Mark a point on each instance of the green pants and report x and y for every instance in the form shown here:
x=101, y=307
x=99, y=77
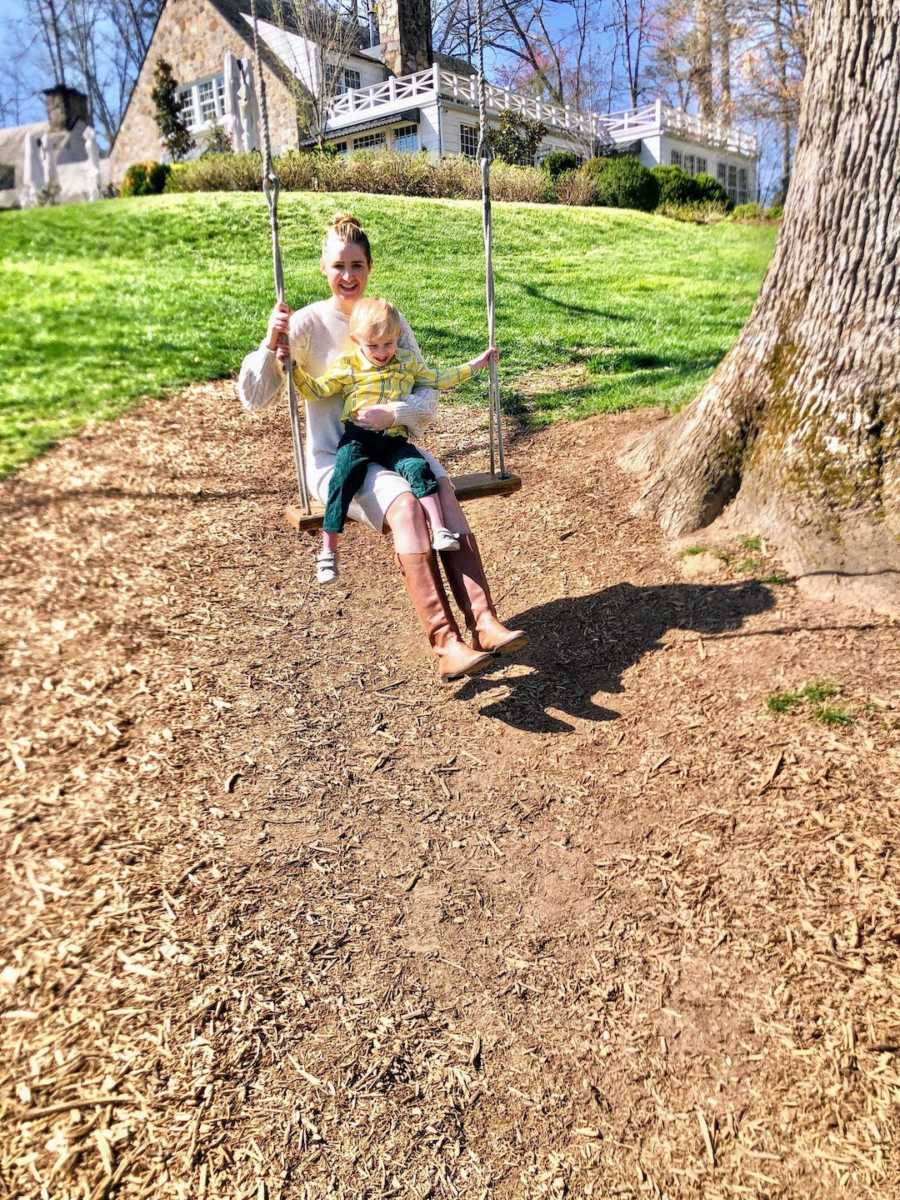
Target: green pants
x=357, y=450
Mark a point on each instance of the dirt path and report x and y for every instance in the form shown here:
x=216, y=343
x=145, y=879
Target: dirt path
x=598, y=924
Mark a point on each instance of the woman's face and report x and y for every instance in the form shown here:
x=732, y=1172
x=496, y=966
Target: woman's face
x=346, y=268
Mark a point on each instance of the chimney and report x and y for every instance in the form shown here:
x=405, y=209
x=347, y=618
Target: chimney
x=65, y=107
x=405, y=30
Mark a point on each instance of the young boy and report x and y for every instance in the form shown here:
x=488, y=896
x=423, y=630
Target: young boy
x=378, y=373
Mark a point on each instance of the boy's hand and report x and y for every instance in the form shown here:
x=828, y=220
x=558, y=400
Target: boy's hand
x=492, y=354
x=277, y=332
x=377, y=416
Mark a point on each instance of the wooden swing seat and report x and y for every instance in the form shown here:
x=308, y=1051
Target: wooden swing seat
x=467, y=487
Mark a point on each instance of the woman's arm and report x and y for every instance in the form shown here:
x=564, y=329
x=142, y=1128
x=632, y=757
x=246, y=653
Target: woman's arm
x=261, y=375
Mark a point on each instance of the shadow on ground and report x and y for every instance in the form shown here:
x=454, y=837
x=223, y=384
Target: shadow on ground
x=583, y=645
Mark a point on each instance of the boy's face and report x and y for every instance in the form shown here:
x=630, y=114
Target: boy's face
x=378, y=349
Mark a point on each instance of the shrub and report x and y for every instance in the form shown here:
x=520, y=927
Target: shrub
x=701, y=212
x=219, y=173
x=388, y=172
x=145, y=179
x=675, y=185
x=624, y=183
x=594, y=167
x=525, y=184
x=217, y=140
x=456, y=178
x=558, y=161
x=747, y=212
x=709, y=189
x=775, y=212
x=296, y=169
x=576, y=187
x=517, y=138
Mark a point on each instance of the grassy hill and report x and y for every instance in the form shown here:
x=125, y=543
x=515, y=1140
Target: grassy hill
x=109, y=302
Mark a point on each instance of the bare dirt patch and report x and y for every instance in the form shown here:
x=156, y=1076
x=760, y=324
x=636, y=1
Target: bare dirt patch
x=285, y=919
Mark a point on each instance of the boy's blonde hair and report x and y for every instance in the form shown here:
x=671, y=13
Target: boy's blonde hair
x=375, y=318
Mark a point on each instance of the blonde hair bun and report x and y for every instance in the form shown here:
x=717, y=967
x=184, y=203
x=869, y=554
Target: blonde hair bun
x=347, y=228
x=344, y=218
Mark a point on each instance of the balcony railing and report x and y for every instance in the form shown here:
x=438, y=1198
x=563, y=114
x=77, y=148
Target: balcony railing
x=650, y=119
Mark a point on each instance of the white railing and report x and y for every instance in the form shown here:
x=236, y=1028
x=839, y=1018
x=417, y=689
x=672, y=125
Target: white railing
x=711, y=133
x=397, y=89
x=625, y=126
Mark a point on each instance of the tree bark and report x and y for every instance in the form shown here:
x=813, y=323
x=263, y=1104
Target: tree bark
x=703, y=66
x=723, y=35
x=798, y=431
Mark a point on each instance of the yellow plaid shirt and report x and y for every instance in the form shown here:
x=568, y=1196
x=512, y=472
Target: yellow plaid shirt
x=362, y=385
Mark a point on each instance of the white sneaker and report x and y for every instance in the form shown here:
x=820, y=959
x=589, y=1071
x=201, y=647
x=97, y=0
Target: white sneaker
x=443, y=539
x=326, y=566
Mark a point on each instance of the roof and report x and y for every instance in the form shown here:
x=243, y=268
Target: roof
x=411, y=116
x=237, y=15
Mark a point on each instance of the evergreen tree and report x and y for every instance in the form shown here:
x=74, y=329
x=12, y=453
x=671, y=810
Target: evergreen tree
x=172, y=126
x=517, y=139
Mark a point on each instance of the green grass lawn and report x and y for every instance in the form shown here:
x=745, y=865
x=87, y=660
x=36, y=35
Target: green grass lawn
x=108, y=302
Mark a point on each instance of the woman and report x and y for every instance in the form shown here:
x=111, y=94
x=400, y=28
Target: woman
x=318, y=336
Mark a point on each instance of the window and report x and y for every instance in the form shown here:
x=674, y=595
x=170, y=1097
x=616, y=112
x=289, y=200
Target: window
x=743, y=192
x=722, y=173
x=186, y=106
x=206, y=93
x=675, y=158
x=340, y=147
x=689, y=163
x=339, y=80
x=368, y=141
x=701, y=165
x=468, y=140
x=204, y=102
x=406, y=138
x=7, y=176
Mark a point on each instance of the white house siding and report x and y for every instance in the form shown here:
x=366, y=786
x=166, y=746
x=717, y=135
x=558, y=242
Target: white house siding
x=665, y=145
x=370, y=72
x=300, y=56
x=429, y=130
x=454, y=117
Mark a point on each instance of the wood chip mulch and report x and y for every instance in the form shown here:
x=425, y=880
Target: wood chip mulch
x=282, y=918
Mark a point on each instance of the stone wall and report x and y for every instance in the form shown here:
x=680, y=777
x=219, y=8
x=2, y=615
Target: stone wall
x=193, y=37
x=404, y=27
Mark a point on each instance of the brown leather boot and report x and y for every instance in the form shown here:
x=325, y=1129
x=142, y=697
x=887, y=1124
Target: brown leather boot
x=426, y=591
x=471, y=592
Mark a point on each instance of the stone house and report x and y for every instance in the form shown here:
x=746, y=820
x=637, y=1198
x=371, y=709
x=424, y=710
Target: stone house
x=387, y=89
x=52, y=161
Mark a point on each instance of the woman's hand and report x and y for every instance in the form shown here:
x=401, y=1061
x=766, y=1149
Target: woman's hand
x=277, y=334
x=378, y=417
x=492, y=354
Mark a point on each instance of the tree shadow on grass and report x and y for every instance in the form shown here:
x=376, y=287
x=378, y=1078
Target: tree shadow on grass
x=583, y=645
x=533, y=292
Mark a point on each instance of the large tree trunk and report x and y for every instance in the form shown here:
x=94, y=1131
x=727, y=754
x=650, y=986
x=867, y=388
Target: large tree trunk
x=798, y=431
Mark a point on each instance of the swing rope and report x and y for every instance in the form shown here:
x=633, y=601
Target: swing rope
x=495, y=432
x=271, y=186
